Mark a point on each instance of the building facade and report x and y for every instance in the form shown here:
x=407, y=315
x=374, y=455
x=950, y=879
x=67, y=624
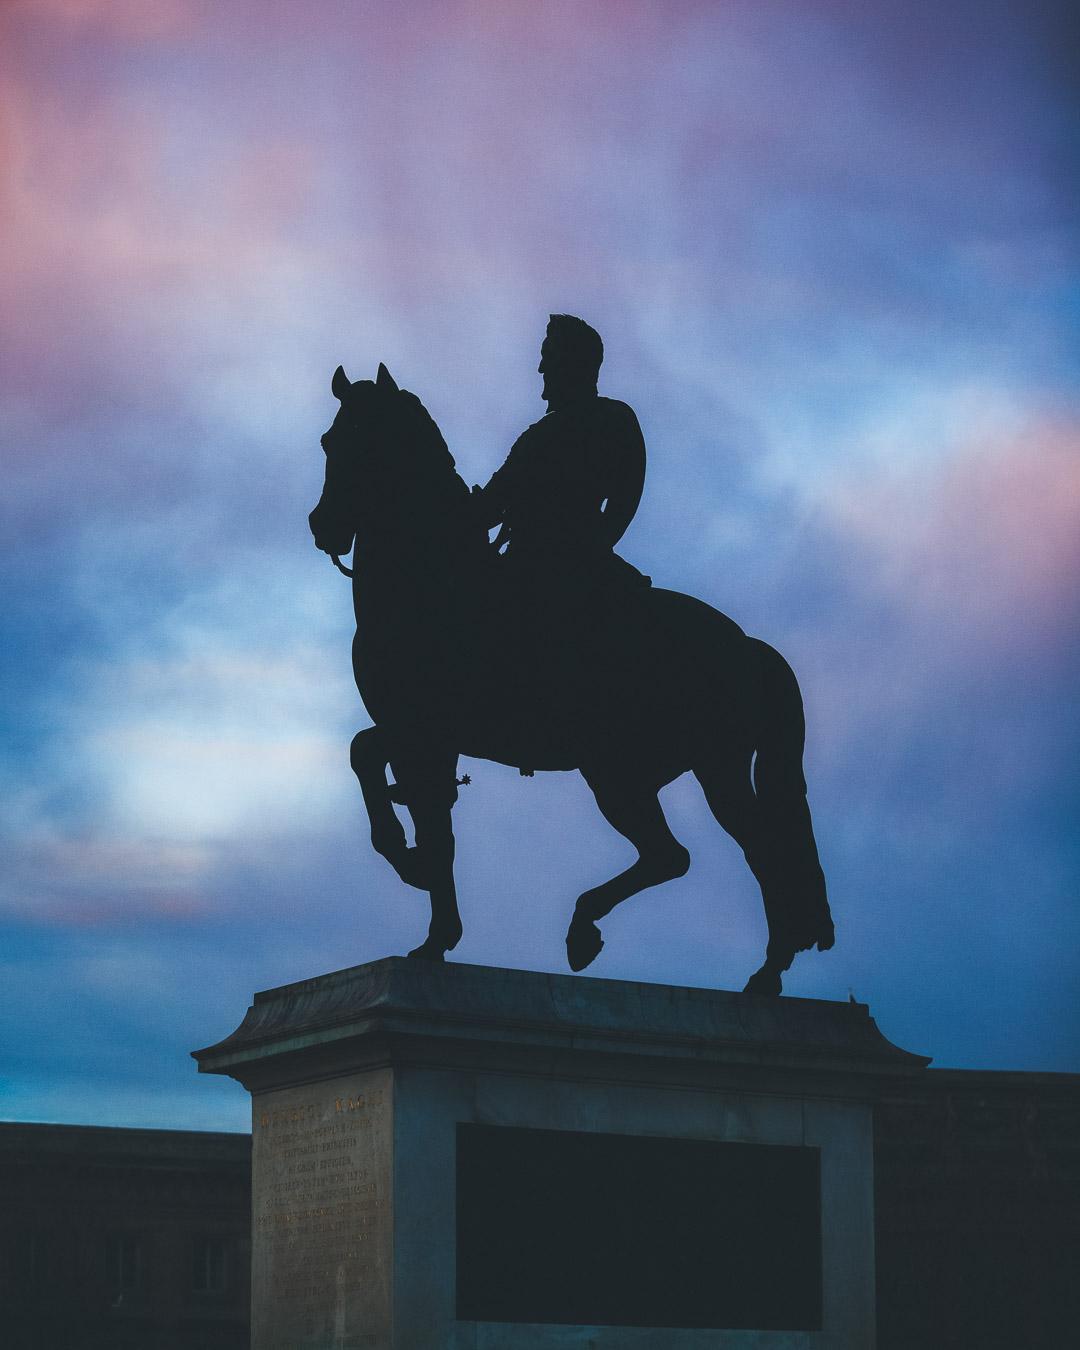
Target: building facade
x=117, y=1239
x=977, y=1200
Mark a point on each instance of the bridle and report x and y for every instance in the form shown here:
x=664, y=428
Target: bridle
x=345, y=571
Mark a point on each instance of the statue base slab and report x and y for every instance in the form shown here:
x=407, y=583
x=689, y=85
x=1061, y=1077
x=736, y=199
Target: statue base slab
x=455, y=1157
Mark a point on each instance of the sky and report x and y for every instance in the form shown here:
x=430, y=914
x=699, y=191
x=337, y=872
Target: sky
x=832, y=251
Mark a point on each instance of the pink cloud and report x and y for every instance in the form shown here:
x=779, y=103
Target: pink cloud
x=984, y=541
x=961, y=581
x=134, y=20
x=139, y=263
x=133, y=907
x=60, y=878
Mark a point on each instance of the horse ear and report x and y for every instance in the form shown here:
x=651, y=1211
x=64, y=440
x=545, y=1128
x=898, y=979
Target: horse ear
x=385, y=381
x=339, y=385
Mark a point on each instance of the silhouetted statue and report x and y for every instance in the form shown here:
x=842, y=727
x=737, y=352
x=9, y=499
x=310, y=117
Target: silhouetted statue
x=562, y=500
x=554, y=654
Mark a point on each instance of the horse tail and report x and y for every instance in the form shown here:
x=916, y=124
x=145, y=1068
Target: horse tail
x=797, y=902
x=779, y=726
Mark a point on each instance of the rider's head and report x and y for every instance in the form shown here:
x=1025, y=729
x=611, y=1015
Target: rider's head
x=569, y=359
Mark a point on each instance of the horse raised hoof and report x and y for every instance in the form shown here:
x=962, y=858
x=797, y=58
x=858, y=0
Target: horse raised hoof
x=429, y=950
x=410, y=865
x=765, y=983
x=583, y=943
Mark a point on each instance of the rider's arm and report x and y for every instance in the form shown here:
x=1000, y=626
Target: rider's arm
x=488, y=502
x=627, y=468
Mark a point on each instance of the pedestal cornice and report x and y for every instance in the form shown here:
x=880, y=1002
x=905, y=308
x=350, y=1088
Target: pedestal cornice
x=399, y=1010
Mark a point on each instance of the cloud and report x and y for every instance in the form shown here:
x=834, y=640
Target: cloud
x=201, y=747
x=132, y=20
x=981, y=542
x=185, y=742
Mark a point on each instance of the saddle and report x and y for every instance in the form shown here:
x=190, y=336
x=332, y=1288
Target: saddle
x=558, y=643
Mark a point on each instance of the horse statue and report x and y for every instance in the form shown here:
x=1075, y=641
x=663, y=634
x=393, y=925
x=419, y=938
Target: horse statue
x=676, y=686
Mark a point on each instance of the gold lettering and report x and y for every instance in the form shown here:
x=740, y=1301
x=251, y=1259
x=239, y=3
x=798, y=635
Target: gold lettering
x=287, y=1115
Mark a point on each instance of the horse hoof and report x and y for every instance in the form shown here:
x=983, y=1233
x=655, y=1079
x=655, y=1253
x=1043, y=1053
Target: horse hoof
x=410, y=867
x=429, y=951
x=765, y=983
x=583, y=943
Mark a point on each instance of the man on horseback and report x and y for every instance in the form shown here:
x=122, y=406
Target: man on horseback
x=572, y=481
x=562, y=500
x=591, y=670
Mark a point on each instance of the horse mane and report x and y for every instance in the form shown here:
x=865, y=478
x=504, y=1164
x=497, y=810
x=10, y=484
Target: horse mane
x=431, y=499
x=421, y=437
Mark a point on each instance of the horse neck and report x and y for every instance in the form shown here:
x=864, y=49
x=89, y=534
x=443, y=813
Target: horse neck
x=420, y=558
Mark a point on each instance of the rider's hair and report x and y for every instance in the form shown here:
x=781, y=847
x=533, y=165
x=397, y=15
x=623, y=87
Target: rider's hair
x=581, y=344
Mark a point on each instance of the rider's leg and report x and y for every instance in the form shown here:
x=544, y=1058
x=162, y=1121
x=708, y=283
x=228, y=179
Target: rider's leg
x=633, y=810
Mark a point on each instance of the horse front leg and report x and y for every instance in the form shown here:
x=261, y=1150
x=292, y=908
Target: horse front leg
x=435, y=843
x=369, y=758
x=427, y=785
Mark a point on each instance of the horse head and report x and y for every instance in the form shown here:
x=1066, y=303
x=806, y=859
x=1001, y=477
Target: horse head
x=357, y=447
x=389, y=475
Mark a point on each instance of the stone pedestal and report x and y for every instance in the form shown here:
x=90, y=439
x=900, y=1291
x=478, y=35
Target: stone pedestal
x=454, y=1157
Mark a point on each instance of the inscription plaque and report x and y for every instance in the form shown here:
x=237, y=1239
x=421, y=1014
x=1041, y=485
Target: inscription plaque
x=321, y=1235
x=602, y=1229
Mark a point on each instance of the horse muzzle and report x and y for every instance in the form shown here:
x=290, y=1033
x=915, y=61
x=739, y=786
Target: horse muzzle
x=330, y=536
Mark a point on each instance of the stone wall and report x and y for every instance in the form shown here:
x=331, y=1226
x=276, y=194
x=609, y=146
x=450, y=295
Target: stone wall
x=978, y=1211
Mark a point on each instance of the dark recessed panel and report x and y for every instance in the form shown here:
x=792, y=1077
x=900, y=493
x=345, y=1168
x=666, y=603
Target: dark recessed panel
x=602, y=1229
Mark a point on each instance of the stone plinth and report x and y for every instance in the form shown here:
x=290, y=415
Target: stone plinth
x=454, y=1157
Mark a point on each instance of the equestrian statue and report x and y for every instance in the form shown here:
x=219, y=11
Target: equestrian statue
x=546, y=650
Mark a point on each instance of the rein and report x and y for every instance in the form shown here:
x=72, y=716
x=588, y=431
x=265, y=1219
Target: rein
x=345, y=571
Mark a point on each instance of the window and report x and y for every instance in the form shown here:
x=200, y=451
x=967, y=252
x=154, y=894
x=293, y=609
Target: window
x=209, y=1266
x=42, y=1259
x=126, y=1262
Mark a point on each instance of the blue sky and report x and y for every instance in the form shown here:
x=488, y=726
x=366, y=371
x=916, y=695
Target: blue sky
x=832, y=254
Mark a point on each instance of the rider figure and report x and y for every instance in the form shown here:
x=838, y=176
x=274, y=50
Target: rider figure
x=572, y=481
x=563, y=499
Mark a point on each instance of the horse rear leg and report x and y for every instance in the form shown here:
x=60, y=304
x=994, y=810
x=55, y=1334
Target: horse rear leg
x=733, y=801
x=633, y=810
x=783, y=856
x=770, y=820
x=790, y=860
